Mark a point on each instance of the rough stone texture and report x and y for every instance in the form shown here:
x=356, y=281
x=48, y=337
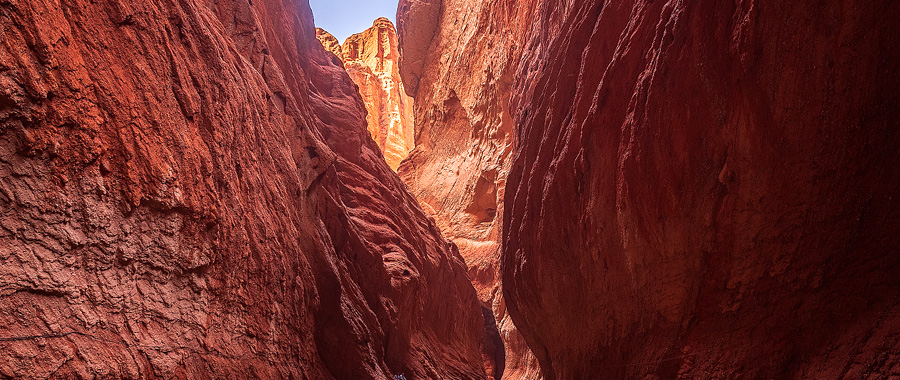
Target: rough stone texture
x=706, y=189
x=187, y=190
x=460, y=79
x=371, y=58
x=330, y=42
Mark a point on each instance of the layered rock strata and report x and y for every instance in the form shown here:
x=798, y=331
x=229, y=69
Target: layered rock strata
x=706, y=190
x=188, y=190
x=372, y=60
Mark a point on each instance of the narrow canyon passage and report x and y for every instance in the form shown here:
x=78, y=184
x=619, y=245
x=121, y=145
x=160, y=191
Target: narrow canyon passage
x=372, y=59
x=449, y=189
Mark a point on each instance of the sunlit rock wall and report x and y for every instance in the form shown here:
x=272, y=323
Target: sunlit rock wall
x=371, y=58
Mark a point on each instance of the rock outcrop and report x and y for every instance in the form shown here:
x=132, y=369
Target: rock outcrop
x=330, y=43
x=460, y=72
x=706, y=190
x=188, y=190
x=371, y=58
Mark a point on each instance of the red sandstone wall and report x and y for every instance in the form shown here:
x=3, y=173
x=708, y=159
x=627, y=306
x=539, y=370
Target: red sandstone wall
x=187, y=190
x=706, y=189
x=458, y=60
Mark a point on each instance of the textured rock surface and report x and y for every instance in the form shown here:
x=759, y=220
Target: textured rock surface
x=187, y=190
x=460, y=71
x=330, y=42
x=371, y=58
x=706, y=190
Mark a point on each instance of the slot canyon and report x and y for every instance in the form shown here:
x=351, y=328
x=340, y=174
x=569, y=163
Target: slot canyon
x=485, y=189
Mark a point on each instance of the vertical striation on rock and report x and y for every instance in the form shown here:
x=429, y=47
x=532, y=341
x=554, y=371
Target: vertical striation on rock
x=372, y=60
x=705, y=190
x=458, y=61
x=188, y=190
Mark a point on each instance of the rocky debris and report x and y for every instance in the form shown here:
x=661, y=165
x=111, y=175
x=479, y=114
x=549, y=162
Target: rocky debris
x=188, y=190
x=705, y=190
x=460, y=71
x=371, y=58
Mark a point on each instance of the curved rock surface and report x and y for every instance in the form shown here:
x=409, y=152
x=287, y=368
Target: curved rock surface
x=460, y=79
x=188, y=190
x=706, y=189
x=372, y=60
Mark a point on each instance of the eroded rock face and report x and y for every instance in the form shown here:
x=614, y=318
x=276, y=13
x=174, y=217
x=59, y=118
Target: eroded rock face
x=371, y=58
x=459, y=71
x=188, y=190
x=706, y=190
x=330, y=42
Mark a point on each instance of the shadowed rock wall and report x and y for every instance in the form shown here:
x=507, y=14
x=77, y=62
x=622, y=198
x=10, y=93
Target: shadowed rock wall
x=706, y=190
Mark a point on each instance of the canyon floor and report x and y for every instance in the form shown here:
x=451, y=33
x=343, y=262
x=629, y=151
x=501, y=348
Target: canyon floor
x=489, y=189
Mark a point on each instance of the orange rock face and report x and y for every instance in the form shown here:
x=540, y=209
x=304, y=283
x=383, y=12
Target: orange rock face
x=459, y=71
x=706, y=189
x=188, y=190
x=330, y=42
x=371, y=58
